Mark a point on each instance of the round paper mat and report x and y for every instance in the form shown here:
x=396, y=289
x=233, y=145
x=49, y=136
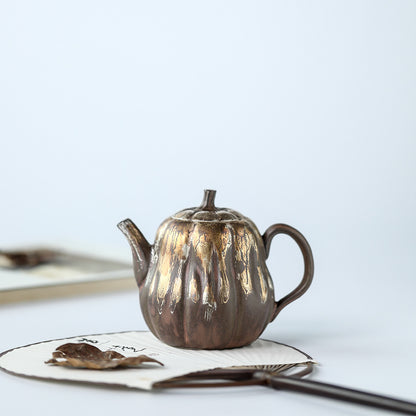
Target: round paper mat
x=30, y=360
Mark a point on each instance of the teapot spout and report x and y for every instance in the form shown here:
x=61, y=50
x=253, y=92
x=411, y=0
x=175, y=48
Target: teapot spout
x=140, y=248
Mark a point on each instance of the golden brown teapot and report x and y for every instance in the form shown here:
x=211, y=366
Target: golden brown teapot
x=204, y=283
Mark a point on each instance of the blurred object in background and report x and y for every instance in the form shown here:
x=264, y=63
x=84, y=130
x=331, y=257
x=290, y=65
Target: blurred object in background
x=33, y=273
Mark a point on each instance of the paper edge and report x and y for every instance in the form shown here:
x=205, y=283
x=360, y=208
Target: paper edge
x=309, y=359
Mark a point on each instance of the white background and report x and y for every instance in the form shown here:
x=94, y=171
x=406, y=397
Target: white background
x=300, y=112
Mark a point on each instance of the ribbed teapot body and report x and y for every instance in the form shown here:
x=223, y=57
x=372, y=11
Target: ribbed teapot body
x=207, y=285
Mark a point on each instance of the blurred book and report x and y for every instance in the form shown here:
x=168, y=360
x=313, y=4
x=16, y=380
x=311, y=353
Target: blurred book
x=43, y=272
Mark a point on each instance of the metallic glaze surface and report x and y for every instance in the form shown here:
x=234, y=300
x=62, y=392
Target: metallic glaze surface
x=207, y=283
x=204, y=283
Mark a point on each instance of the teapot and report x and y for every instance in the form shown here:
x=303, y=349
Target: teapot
x=204, y=283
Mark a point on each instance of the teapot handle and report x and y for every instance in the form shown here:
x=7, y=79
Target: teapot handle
x=307, y=258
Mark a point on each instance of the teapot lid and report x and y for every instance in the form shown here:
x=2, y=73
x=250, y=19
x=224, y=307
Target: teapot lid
x=207, y=211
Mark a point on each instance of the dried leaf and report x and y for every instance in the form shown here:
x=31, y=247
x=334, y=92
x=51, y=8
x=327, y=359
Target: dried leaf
x=84, y=355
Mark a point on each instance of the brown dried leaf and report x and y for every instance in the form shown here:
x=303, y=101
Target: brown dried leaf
x=84, y=355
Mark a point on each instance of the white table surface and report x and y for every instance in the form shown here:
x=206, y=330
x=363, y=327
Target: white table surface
x=355, y=345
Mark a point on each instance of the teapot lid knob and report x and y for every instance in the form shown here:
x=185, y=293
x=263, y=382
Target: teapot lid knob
x=208, y=201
